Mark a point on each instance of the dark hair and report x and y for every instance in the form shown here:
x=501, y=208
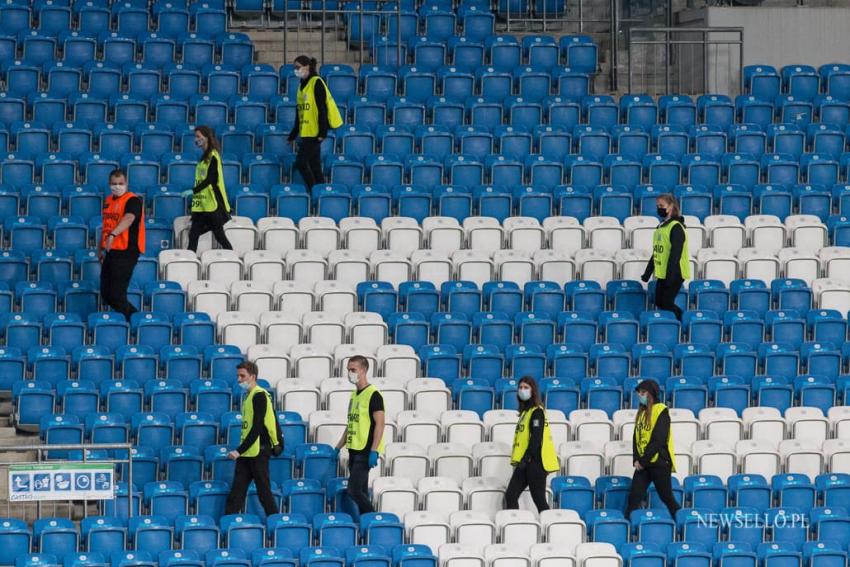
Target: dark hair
x=212, y=141
x=534, y=400
x=361, y=360
x=653, y=393
x=117, y=172
x=249, y=367
x=309, y=62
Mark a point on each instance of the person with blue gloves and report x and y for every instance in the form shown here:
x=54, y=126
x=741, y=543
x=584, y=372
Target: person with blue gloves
x=364, y=435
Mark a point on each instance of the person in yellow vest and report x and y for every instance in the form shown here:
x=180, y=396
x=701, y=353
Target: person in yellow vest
x=533, y=456
x=260, y=439
x=364, y=435
x=210, y=207
x=670, y=261
x=317, y=112
x=652, y=450
x=122, y=240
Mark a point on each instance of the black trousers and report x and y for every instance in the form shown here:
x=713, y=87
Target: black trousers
x=115, y=274
x=358, y=481
x=532, y=475
x=661, y=477
x=665, y=295
x=248, y=469
x=308, y=161
x=202, y=223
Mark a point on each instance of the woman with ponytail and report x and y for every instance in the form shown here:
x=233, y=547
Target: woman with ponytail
x=317, y=113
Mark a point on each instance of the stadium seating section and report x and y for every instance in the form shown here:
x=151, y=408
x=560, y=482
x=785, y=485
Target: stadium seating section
x=487, y=217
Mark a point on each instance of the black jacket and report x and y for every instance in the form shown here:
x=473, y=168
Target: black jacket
x=657, y=443
x=677, y=242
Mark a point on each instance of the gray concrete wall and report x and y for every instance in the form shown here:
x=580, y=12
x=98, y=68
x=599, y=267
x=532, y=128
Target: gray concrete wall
x=775, y=36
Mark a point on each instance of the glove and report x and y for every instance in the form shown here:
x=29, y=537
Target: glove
x=373, y=459
x=187, y=193
x=645, y=278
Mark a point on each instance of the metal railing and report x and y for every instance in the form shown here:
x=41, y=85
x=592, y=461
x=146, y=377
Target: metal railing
x=686, y=60
x=24, y=508
x=339, y=22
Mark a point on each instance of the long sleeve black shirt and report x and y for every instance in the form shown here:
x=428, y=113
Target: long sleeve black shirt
x=258, y=428
x=321, y=106
x=657, y=441
x=535, y=436
x=211, y=180
x=677, y=243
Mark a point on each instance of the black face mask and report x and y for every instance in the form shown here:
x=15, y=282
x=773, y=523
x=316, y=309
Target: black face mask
x=661, y=212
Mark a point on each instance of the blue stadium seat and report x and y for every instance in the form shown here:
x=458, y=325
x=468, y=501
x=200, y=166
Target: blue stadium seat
x=104, y=534
x=167, y=499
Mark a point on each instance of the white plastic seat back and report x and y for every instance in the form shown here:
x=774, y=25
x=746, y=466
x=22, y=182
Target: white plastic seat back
x=278, y=234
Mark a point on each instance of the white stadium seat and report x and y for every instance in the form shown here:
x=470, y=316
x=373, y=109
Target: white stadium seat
x=360, y=234
x=551, y=555
x=518, y=527
x=715, y=458
x=807, y=423
x=394, y=495
x=181, y=266
x=471, y=527
x=264, y=266
x=419, y=427
x=426, y=528
x=452, y=460
x=224, y=266
x=483, y=234
x=565, y=234
x=443, y=234
x=294, y=297
x=408, y=460
x=440, y=494
x=726, y=233
x=721, y=424
x=597, y=554
x=802, y=456
x=484, y=494
x=278, y=234
x=454, y=555
x=765, y=232
x=764, y=424
x=758, y=457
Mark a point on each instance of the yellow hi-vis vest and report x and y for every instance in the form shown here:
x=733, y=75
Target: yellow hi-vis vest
x=523, y=433
x=643, y=434
x=204, y=201
x=661, y=251
x=248, y=419
x=308, y=114
x=359, y=419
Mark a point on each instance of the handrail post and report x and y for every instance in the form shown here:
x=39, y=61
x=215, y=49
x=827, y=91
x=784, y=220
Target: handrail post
x=398, y=60
x=322, y=32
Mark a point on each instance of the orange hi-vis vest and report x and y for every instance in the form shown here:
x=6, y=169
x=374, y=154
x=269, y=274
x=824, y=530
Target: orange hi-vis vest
x=113, y=211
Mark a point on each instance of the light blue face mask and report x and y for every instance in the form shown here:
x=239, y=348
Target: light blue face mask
x=524, y=394
x=642, y=398
x=244, y=386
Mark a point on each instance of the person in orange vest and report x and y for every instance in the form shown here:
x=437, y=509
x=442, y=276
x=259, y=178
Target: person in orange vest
x=121, y=243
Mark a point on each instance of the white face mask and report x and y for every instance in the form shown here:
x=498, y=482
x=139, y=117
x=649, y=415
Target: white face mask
x=302, y=73
x=244, y=386
x=118, y=189
x=353, y=377
x=524, y=394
